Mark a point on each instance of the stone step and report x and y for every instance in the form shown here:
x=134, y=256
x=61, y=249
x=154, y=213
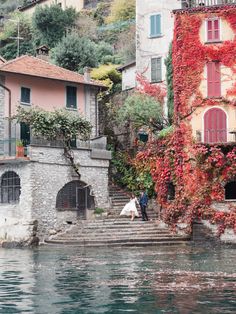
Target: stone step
x=118, y=235
x=124, y=244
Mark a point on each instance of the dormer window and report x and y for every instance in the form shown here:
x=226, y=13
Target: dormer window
x=213, y=30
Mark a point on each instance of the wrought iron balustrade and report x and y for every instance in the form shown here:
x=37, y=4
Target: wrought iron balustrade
x=216, y=136
x=207, y=3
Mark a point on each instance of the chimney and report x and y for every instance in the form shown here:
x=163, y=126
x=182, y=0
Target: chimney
x=87, y=72
x=42, y=52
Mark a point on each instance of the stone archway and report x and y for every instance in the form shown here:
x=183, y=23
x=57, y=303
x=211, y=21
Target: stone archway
x=75, y=196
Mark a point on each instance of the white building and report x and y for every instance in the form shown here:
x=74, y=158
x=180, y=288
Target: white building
x=155, y=25
x=128, y=72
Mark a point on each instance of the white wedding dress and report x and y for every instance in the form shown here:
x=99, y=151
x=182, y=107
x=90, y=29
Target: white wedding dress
x=130, y=207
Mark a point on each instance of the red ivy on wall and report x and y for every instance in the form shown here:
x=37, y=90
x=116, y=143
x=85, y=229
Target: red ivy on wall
x=198, y=171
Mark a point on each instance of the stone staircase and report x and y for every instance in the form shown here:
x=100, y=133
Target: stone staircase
x=115, y=230
x=119, y=198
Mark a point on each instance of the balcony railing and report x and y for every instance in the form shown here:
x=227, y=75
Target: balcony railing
x=7, y=145
x=207, y=3
x=216, y=136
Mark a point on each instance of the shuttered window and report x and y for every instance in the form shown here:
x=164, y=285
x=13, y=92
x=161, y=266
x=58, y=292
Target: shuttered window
x=215, y=126
x=213, y=30
x=213, y=80
x=156, y=70
x=25, y=95
x=71, y=97
x=155, y=25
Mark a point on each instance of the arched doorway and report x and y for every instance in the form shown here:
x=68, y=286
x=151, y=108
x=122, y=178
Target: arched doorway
x=230, y=190
x=215, y=129
x=75, y=196
x=10, y=187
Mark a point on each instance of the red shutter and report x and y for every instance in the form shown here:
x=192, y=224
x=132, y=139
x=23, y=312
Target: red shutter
x=213, y=79
x=209, y=30
x=216, y=29
x=215, y=126
x=213, y=30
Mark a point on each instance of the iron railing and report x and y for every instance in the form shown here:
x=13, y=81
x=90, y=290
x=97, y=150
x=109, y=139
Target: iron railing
x=207, y=3
x=216, y=136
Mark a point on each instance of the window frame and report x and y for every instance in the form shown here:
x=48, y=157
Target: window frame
x=157, y=80
x=30, y=96
x=13, y=188
x=213, y=40
x=156, y=35
x=66, y=96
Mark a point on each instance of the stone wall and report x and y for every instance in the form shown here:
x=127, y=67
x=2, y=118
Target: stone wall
x=2, y=106
x=42, y=177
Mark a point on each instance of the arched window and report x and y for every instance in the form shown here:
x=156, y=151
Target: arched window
x=75, y=195
x=10, y=187
x=230, y=190
x=215, y=126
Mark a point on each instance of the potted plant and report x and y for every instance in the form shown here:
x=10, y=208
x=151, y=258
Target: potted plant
x=20, y=150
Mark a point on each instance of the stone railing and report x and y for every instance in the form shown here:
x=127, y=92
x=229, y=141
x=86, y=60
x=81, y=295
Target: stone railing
x=207, y=3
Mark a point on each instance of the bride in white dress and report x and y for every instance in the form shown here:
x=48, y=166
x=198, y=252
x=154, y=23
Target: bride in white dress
x=130, y=208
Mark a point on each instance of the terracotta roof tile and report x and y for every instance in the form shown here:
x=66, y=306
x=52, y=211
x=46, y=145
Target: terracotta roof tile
x=28, y=65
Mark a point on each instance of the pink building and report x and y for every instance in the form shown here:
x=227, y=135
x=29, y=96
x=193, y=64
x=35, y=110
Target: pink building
x=30, y=81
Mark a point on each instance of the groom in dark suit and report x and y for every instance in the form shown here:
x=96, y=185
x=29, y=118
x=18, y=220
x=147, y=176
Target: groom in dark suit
x=143, y=201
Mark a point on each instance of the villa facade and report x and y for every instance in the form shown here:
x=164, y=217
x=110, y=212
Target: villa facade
x=40, y=192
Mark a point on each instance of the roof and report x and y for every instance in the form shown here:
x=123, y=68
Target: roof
x=28, y=65
x=2, y=60
x=30, y=4
x=127, y=65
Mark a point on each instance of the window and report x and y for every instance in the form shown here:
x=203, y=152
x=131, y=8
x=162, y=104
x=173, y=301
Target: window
x=213, y=29
x=155, y=25
x=156, y=70
x=230, y=190
x=25, y=95
x=71, y=97
x=10, y=187
x=215, y=122
x=213, y=80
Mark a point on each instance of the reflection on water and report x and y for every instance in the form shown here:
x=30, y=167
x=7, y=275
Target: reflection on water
x=139, y=280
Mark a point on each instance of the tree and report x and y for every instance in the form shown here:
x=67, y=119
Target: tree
x=170, y=89
x=75, y=53
x=8, y=36
x=121, y=10
x=143, y=111
x=51, y=24
x=57, y=125
x=108, y=75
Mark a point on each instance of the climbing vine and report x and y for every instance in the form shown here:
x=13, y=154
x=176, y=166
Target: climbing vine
x=198, y=172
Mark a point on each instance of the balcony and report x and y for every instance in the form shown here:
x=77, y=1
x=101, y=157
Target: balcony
x=188, y=4
x=216, y=136
x=98, y=143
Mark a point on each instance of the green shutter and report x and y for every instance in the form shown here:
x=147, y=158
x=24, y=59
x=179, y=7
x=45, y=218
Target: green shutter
x=155, y=25
x=71, y=97
x=25, y=133
x=156, y=70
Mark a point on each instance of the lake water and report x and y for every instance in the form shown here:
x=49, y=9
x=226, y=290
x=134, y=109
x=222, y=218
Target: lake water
x=150, y=280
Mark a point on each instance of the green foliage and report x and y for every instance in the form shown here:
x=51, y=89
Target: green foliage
x=127, y=176
x=9, y=44
x=107, y=74
x=170, y=89
x=57, y=125
x=7, y=6
x=75, y=53
x=142, y=111
x=166, y=132
x=104, y=51
x=121, y=10
x=98, y=211
x=51, y=23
